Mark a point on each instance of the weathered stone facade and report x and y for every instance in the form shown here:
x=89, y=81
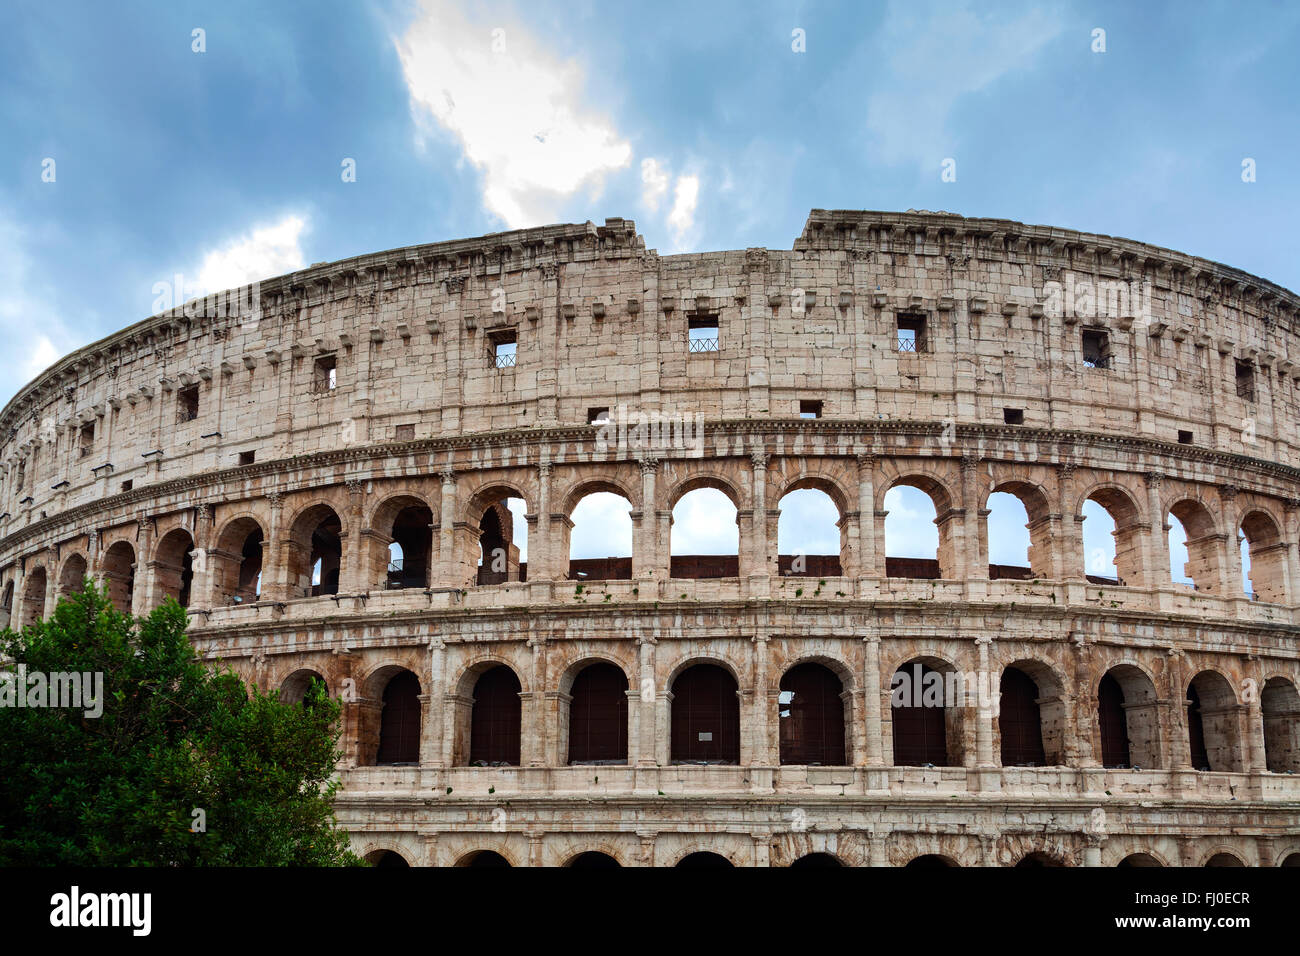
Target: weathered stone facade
x=360, y=404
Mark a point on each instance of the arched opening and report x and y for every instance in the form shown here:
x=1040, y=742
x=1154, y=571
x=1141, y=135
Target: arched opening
x=1036, y=860
x=918, y=533
x=294, y=688
x=600, y=541
x=810, y=715
x=1224, y=859
x=237, y=562
x=1128, y=719
x=399, y=721
x=704, y=536
x=174, y=566
x=810, y=535
x=484, y=858
x=926, y=702
x=1263, y=559
x=1138, y=860
x=387, y=858
x=73, y=576
x=598, y=715
x=1291, y=860
x=1194, y=547
x=315, y=553
x=1020, y=721
x=930, y=861
x=119, y=575
x=1112, y=539
x=407, y=525
x=503, y=539
x=1280, y=704
x=1212, y=723
x=594, y=860
x=705, y=716
x=817, y=861
x=705, y=859
x=34, y=585
x=495, y=721
x=1017, y=533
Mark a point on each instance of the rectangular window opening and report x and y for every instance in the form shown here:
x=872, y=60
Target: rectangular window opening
x=1013, y=416
x=247, y=457
x=505, y=348
x=1184, y=437
x=911, y=333
x=1245, y=380
x=596, y=416
x=1096, y=348
x=187, y=404
x=128, y=484
x=87, y=439
x=405, y=433
x=702, y=333
x=809, y=408
x=325, y=377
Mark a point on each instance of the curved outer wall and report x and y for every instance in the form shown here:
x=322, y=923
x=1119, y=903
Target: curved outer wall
x=150, y=458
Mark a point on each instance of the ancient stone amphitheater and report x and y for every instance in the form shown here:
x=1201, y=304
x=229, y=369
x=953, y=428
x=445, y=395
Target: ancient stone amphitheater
x=320, y=468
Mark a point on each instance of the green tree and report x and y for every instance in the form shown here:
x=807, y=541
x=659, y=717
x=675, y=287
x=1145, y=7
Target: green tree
x=175, y=736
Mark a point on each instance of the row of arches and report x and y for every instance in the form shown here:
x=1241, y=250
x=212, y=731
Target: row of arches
x=929, y=720
x=402, y=542
x=597, y=859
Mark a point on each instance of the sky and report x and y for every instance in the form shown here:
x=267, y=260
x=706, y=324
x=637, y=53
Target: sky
x=153, y=151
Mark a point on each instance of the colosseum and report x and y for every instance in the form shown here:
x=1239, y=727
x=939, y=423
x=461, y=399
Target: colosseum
x=366, y=472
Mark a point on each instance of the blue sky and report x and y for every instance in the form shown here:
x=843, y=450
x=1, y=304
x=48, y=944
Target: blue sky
x=699, y=121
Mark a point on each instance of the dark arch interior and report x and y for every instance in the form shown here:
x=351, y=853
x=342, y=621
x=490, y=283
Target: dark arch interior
x=1020, y=721
x=1196, y=731
x=705, y=859
x=705, y=716
x=919, y=719
x=930, y=861
x=327, y=548
x=1114, y=724
x=494, y=739
x=387, y=858
x=413, y=533
x=1138, y=860
x=598, y=716
x=817, y=861
x=487, y=858
x=810, y=715
x=399, y=724
x=1034, y=860
x=594, y=860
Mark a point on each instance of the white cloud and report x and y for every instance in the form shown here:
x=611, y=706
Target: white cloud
x=265, y=252
x=934, y=58
x=685, y=197
x=31, y=329
x=654, y=183
x=516, y=109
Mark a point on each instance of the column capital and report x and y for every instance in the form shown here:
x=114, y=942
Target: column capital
x=759, y=459
x=356, y=486
x=649, y=465
x=448, y=476
x=1153, y=479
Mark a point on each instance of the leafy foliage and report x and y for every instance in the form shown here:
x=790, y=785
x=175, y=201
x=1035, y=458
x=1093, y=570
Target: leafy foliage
x=175, y=736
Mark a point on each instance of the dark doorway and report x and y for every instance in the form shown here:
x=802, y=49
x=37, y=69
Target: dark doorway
x=1114, y=725
x=1196, y=731
x=594, y=860
x=705, y=859
x=705, y=716
x=387, y=858
x=817, y=861
x=495, y=724
x=1019, y=721
x=598, y=715
x=487, y=858
x=920, y=719
x=399, y=724
x=811, y=716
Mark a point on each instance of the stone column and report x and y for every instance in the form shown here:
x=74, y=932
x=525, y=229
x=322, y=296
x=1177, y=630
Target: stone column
x=1234, y=579
x=1177, y=748
x=765, y=734
x=871, y=723
x=1291, y=530
x=449, y=571
x=144, y=578
x=202, y=564
x=871, y=546
x=1157, y=557
x=355, y=576
x=984, y=716
x=534, y=745
x=432, y=707
x=756, y=550
x=542, y=558
x=275, y=554
x=647, y=698
x=1256, y=760
x=972, y=560
x=648, y=561
x=1070, y=559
